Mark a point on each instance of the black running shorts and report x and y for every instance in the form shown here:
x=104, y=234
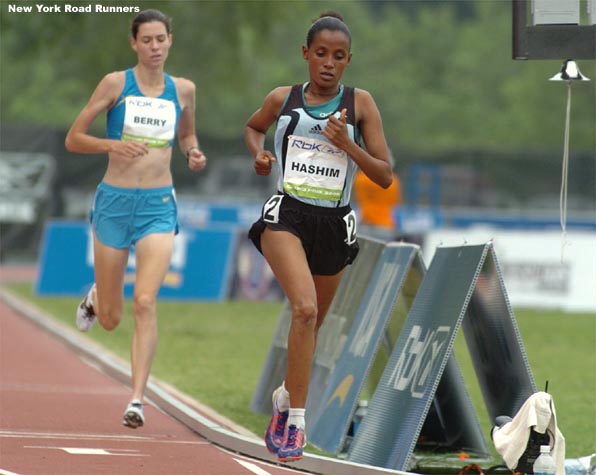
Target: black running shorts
x=328, y=235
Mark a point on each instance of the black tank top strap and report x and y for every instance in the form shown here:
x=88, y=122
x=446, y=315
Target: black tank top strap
x=348, y=102
x=294, y=99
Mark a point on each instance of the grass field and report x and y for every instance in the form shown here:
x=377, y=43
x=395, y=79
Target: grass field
x=215, y=351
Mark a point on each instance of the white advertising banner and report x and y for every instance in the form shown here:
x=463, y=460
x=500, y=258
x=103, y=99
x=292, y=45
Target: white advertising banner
x=535, y=271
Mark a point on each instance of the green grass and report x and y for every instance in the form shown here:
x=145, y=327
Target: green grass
x=215, y=351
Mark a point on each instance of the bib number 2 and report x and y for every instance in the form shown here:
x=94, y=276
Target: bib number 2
x=350, y=220
x=271, y=209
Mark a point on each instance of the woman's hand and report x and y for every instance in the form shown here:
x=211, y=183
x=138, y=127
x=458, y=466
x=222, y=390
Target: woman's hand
x=337, y=131
x=196, y=159
x=129, y=149
x=264, y=162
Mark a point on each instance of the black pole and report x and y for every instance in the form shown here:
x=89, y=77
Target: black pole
x=519, y=22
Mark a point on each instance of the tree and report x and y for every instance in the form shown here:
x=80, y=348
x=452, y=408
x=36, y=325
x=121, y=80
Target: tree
x=441, y=72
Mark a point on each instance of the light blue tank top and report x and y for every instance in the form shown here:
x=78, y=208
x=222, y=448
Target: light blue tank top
x=136, y=117
x=311, y=169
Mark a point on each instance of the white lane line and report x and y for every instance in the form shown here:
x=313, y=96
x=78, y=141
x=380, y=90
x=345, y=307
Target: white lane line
x=237, y=456
x=113, y=437
x=70, y=435
x=78, y=451
x=6, y=472
x=64, y=435
x=252, y=467
x=91, y=451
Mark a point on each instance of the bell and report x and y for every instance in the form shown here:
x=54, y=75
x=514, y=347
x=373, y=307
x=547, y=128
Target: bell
x=569, y=72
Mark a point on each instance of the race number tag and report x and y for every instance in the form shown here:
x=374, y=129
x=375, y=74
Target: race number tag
x=271, y=209
x=350, y=220
x=150, y=120
x=314, y=169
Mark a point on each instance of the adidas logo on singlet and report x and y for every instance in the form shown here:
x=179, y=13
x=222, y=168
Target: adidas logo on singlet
x=317, y=129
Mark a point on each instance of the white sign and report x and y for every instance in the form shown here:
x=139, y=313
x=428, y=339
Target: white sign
x=534, y=273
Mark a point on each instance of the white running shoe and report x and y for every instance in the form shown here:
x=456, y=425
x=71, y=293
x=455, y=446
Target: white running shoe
x=85, y=314
x=133, y=416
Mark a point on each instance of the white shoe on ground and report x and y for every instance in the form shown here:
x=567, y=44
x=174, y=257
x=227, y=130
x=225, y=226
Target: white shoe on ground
x=133, y=416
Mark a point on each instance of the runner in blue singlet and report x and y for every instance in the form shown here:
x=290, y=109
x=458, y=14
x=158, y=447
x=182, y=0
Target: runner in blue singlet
x=135, y=203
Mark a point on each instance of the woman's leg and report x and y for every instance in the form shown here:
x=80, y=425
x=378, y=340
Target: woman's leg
x=286, y=257
x=326, y=287
x=153, y=254
x=310, y=297
x=109, y=267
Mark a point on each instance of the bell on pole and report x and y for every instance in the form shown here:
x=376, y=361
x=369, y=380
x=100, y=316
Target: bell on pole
x=569, y=72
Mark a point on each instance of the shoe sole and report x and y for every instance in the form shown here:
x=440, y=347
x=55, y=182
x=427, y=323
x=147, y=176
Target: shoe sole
x=293, y=458
x=132, y=420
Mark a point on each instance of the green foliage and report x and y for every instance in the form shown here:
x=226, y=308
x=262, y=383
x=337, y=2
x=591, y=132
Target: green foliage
x=441, y=72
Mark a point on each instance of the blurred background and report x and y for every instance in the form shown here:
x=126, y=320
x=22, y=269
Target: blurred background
x=477, y=137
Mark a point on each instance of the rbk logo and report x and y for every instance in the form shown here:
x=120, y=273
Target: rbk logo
x=418, y=360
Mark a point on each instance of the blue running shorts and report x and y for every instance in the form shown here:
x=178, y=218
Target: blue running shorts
x=123, y=216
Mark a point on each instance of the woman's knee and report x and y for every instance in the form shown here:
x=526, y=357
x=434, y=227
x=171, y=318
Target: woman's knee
x=305, y=312
x=109, y=317
x=144, y=304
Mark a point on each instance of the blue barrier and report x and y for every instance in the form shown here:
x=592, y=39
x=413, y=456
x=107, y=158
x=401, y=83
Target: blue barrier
x=201, y=268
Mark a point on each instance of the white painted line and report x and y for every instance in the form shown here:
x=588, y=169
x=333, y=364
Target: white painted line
x=252, y=467
x=77, y=451
x=267, y=463
x=6, y=472
x=113, y=438
x=88, y=451
x=71, y=435
x=91, y=451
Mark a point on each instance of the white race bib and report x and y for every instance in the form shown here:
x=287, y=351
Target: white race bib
x=314, y=169
x=150, y=120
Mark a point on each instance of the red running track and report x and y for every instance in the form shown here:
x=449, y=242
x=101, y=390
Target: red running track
x=60, y=415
